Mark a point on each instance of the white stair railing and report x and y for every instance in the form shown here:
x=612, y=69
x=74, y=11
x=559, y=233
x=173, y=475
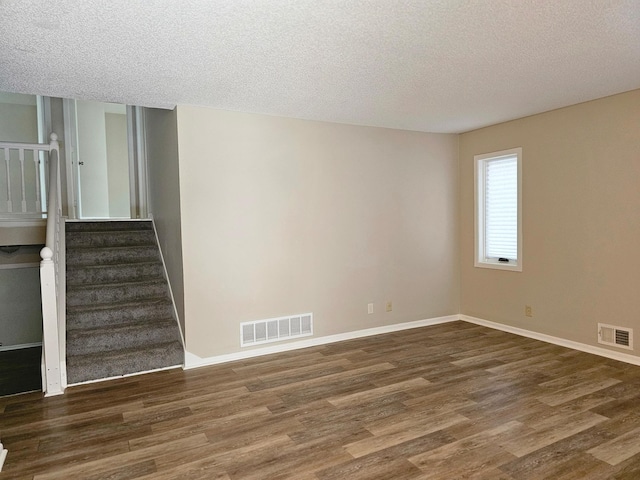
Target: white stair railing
x=52, y=283
x=21, y=193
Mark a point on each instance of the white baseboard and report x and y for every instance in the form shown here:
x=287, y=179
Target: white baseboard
x=583, y=347
x=6, y=348
x=194, y=361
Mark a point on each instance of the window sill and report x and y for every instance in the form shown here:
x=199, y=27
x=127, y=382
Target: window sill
x=514, y=267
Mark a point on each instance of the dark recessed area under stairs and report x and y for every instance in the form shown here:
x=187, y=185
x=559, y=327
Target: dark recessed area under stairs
x=120, y=318
x=20, y=371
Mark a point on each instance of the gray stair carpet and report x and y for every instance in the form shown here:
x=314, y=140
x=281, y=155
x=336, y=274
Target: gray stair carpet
x=120, y=318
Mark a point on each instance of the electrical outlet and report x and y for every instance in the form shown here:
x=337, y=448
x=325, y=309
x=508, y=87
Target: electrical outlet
x=528, y=311
x=389, y=306
x=370, y=308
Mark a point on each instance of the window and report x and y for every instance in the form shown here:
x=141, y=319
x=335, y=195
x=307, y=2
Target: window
x=498, y=196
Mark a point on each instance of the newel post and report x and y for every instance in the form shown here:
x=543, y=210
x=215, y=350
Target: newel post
x=50, y=343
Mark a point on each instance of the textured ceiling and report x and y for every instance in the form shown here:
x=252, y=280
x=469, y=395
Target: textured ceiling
x=437, y=65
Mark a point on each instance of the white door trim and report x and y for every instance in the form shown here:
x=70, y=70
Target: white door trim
x=137, y=162
x=71, y=157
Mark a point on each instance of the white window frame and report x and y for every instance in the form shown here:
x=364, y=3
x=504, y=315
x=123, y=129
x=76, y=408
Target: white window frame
x=481, y=259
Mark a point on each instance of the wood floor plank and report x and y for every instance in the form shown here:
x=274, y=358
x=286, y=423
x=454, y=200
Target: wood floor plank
x=507, y=354
x=201, y=469
x=98, y=467
x=549, y=434
x=169, y=430
x=16, y=424
x=207, y=419
x=573, y=376
x=400, y=432
x=579, y=466
x=126, y=472
x=556, y=458
x=528, y=362
x=627, y=470
x=572, y=392
x=442, y=402
x=280, y=462
x=618, y=449
x=205, y=469
x=372, y=467
x=374, y=393
x=469, y=456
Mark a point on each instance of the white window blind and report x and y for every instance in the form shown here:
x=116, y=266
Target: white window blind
x=498, y=210
x=501, y=208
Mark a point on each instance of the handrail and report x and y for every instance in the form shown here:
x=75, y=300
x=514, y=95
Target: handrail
x=54, y=203
x=43, y=147
x=52, y=283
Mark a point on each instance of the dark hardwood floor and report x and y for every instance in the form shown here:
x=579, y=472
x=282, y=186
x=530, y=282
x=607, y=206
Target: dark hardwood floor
x=450, y=401
x=20, y=371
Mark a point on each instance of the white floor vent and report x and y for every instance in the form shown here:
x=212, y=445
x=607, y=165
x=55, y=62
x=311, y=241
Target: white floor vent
x=276, y=329
x=615, y=336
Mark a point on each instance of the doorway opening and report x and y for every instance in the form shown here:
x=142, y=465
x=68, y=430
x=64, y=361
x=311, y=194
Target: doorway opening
x=105, y=160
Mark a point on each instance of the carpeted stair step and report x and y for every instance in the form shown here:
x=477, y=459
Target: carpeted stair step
x=119, y=337
x=109, y=225
x=120, y=318
x=112, y=255
x=100, y=274
x=91, y=316
x=118, y=292
x=110, y=238
x=82, y=368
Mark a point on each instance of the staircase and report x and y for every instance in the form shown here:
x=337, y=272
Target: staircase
x=119, y=315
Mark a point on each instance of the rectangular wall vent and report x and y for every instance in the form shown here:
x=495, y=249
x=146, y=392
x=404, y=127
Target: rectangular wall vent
x=276, y=329
x=615, y=336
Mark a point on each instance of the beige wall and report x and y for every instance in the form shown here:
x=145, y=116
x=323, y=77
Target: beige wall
x=581, y=204
x=283, y=216
x=164, y=195
x=20, y=307
x=18, y=123
x=23, y=233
